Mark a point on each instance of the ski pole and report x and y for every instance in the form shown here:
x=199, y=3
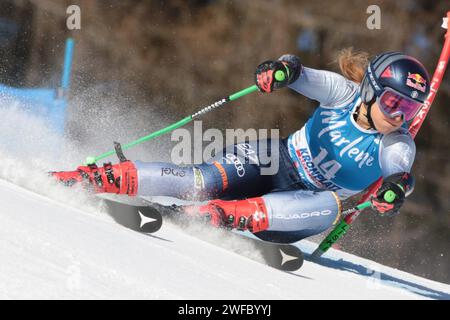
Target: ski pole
x=389, y=197
x=339, y=231
x=279, y=76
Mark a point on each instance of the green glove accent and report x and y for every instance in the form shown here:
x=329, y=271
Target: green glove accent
x=280, y=75
x=390, y=196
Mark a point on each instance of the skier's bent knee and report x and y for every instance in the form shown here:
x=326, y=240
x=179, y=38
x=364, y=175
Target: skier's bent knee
x=282, y=217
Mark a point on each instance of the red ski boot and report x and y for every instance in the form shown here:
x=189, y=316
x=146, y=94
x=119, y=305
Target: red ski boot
x=120, y=178
x=248, y=214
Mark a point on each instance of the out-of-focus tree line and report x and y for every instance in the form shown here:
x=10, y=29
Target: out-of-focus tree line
x=185, y=54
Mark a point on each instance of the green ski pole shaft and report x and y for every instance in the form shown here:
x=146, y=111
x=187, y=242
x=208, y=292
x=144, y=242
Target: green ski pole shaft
x=92, y=160
x=279, y=76
x=176, y=125
x=340, y=230
x=357, y=208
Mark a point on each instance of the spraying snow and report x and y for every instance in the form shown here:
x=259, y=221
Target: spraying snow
x=57, y=242
x=50, y=250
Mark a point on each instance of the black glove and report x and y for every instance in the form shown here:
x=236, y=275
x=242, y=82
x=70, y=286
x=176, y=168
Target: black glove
x=391, y=195
x=265, y=74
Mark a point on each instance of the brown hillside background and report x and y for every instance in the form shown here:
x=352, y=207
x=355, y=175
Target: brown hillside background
x=183, y=55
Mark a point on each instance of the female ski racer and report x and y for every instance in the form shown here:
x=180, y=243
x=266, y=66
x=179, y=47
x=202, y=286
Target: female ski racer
x=357, y=134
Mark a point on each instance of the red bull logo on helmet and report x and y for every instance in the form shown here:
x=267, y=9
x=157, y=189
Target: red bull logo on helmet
x=416, y=81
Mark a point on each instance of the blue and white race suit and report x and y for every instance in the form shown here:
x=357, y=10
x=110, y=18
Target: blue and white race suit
x=332, y=152
x=330, y=157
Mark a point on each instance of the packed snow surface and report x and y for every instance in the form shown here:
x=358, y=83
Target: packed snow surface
x=51, y=249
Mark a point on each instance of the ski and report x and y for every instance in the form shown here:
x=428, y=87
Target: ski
x=285, y=257
x=146, y=217
x=135, y=215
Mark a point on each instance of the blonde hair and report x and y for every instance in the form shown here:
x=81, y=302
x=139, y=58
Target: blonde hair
x=353, y=64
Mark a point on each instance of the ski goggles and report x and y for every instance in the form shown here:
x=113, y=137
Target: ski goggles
x=393, y=104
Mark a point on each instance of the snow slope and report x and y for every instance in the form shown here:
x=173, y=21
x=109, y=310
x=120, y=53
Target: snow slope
x=50, y=249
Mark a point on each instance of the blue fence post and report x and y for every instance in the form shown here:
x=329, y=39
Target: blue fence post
x=68, y=57
x=59, y=113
